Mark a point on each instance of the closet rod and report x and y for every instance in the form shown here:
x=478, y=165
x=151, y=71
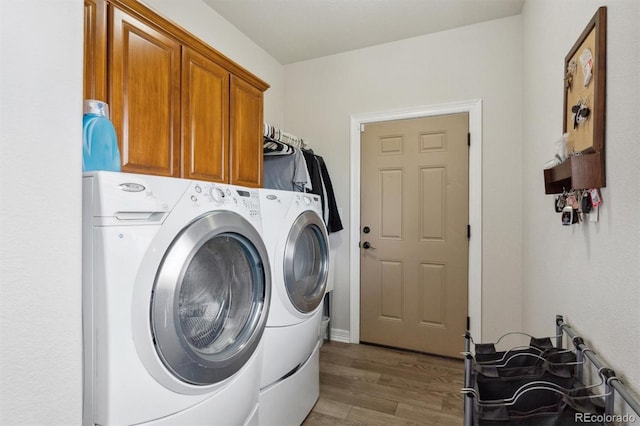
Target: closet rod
x=612, y=380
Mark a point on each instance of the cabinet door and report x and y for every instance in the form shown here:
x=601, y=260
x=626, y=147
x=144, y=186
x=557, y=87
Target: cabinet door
x=144, y=89
x=205, y=118
x=95, y=50
x=246, y=133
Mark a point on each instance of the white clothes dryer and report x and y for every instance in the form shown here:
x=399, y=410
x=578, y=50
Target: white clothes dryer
x=176, y=293
x=298, y=246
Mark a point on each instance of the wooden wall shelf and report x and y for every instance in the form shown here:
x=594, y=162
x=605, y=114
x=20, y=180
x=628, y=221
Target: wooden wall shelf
x=577, y=172
x=587, y=136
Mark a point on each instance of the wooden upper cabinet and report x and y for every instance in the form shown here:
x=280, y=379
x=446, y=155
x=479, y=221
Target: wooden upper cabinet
x=95, y=50
x=205, y=118
x=179, y=107
x=246, y=133
x=144, y=88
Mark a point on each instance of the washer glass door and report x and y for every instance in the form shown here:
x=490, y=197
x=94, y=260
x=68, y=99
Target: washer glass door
x=210, y=298
x=306, y=262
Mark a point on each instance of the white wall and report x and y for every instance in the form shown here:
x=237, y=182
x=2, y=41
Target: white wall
x=40, y=194
x=590, y=272
x=40, y=212
x=476, y=62
x=206, y=24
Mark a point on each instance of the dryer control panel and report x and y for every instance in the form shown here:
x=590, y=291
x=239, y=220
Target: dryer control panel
x=309, y=201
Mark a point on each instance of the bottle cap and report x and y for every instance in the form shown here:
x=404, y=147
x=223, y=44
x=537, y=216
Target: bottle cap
x=96, y=107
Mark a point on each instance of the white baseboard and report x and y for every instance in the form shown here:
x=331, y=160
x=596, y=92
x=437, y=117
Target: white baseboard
x=342, y=336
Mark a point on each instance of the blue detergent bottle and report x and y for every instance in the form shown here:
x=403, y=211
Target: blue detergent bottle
x=99, y=143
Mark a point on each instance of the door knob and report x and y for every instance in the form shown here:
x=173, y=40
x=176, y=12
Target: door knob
x=366, y=245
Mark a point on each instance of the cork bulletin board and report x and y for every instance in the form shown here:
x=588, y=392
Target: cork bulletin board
x=584, y=88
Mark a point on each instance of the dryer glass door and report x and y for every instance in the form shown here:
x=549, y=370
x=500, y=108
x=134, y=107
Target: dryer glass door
x=306, y=262
x=210, y=298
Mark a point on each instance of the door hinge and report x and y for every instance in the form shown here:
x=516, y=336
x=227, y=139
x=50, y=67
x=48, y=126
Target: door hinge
x=362, y=128
x=468, y=323
x=468, y=139
x=468, y=231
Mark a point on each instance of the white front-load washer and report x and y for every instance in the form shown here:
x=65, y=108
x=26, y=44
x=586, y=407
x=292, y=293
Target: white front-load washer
x=298, y=246
x=176, y=293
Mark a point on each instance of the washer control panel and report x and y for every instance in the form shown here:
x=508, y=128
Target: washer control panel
x=205, y=193
x=250, y=200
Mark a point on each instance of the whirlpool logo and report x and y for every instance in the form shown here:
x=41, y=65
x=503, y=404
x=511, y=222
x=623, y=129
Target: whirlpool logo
x=131, y=187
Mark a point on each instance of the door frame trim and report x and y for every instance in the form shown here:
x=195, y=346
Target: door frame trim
x=474, y=109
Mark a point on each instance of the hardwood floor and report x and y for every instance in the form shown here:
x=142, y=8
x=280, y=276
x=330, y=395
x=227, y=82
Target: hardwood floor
x=366, y=384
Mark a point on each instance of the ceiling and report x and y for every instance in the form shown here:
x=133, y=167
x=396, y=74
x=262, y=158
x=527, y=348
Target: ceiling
x=298, y=30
